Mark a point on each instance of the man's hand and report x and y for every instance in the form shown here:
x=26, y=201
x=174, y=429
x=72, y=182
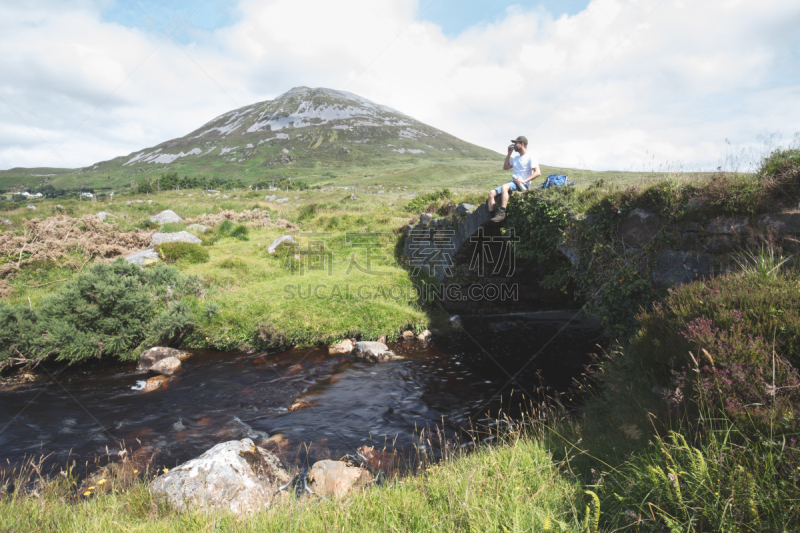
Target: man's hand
x=510, y=150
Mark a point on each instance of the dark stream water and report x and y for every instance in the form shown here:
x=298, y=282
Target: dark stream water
x=223, y=396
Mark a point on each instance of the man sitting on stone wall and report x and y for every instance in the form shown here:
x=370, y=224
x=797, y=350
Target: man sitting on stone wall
x=526, y=169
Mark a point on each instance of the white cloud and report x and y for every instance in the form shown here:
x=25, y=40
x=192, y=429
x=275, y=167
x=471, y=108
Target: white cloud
x=689, y=76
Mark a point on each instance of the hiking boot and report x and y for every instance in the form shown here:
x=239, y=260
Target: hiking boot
x=500, y=215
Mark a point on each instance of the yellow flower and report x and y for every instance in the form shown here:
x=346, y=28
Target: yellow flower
x=165, y=470
x=135, y=471
x=91, y=488
x=87, y=493
x=101, y=482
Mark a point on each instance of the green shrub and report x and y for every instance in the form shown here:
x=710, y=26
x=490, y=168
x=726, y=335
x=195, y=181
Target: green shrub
x=106, y=311
x=147, y=224
x=422, y=202
x=225, y=227
x=240, y=232
x=175, y=251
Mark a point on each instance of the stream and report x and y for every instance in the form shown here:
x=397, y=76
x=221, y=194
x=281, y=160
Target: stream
x=343, y=403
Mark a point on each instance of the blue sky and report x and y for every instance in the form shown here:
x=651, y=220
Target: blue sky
x=454, y=16
x=627, y=84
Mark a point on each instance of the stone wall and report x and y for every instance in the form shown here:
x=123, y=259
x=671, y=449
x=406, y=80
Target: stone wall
x=699, y=250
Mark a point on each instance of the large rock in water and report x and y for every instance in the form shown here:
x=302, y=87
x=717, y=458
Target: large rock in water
x=235, y=476
x=180, y=236
x=165, y=217
x=158, y=353
x=335, y=479
x=376, y=352
x=166, y=367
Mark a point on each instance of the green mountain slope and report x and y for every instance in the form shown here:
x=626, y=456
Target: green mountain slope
x=319, y=135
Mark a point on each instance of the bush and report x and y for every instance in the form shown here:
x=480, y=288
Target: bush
x=107, y=311
x=147, y=224
x=422, y=202
x=175, y=251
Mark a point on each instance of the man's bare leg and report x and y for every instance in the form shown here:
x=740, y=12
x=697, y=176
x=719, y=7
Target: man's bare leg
x=491, y=201
x=504, y=197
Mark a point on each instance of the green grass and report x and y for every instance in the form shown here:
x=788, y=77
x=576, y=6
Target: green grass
x=507, y=488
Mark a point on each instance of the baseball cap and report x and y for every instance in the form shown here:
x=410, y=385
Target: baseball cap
x=521, y=139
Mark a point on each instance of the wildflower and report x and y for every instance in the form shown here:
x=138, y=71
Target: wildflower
x=135, y=471
x=91, y=488
x=165, y=470
x=87, y=493
x=101, y=482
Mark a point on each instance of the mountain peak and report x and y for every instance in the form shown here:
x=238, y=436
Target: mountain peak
x=318, y=126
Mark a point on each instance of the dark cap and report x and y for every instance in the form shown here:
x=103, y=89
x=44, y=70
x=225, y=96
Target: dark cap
x=521, y=139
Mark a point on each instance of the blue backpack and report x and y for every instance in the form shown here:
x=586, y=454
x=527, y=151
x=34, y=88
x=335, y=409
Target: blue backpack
x=556, y=180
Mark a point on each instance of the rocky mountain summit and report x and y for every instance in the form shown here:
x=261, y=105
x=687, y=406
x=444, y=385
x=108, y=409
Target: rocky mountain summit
x=305, y=127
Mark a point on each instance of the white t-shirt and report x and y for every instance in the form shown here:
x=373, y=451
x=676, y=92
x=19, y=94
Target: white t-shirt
x=523, y=166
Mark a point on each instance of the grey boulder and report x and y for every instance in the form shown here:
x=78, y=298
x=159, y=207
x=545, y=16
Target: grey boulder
x=375, y=352
x=166, y=367
x=159, y=353
x=234, y=476
x=180, y=236
x=144, y=257
x=102, y=215
x=165, y=217
x=198, y=228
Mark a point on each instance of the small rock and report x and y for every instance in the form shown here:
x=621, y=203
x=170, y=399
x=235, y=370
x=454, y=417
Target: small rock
x=278, y=439
x=5, y=221
x=198, y=228
x=382, y=339
x=165, y=217
x=224, y=195
x=344, y=347
x=376, y=352
x=281, y=200
x=159, y=353
x=154, y=383
x=335, y=479
x=166, y=367
x=280, y=240
x=128, y=202
x=144, y=257
x=465, y=209
x=301, y=404
x=455, y=322
x=101, y=216
x=425, y=218
x=270, y=197
x=234, y=476
x=180, y=236
x=408, y=335
x=149, y=201
x=424, y=336
x=32, y=207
